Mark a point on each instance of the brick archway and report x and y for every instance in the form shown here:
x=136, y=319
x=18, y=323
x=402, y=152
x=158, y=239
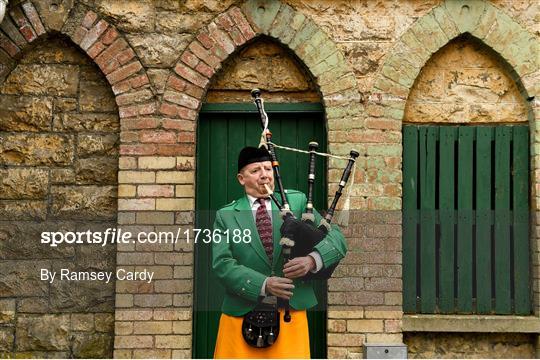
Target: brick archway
x=442, y=24
x=204, y=56
x=100, y=40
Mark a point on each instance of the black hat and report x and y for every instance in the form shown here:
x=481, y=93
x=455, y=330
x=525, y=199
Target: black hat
x=250, y=154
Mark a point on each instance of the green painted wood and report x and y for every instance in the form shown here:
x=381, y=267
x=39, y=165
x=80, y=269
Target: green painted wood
x=493, y=216
x=520, y=167
x=484, y=137
x=448, y=137
x=220, y=136
x=503, y=136
x=465, y=220
x=410, y=216
x=427, y=141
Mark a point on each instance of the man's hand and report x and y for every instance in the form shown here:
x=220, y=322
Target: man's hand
x=280, y=287
x=298, y=267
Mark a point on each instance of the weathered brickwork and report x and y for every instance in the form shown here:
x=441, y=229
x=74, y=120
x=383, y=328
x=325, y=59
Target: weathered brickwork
x=372, y=64
x=59, y=136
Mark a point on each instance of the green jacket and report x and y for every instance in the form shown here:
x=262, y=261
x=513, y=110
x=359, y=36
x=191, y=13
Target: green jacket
x=243, y=267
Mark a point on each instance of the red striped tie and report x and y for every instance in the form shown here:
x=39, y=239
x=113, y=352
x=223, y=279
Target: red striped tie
x=264, y=227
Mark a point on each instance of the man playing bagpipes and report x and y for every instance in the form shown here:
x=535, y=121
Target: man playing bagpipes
x=267, y=289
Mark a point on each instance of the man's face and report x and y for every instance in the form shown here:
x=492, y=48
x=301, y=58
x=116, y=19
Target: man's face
x=253, y=177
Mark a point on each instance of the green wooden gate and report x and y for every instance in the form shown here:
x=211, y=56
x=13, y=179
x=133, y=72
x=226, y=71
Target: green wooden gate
x=466, y=219
x=223, y=130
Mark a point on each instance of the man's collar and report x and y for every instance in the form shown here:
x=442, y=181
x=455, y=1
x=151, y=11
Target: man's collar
x=252, y=200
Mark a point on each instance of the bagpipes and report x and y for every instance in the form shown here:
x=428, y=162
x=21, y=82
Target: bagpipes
x=299, y=237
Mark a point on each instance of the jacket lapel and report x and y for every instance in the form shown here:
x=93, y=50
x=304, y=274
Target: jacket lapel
x=245, y=220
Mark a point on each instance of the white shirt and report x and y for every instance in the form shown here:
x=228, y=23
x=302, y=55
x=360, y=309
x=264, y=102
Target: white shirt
x=254, y=204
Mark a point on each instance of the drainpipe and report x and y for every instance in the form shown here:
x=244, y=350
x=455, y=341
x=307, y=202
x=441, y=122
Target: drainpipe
x=3, y=5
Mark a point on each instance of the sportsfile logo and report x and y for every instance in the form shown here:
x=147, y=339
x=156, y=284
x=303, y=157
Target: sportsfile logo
x=118, y=236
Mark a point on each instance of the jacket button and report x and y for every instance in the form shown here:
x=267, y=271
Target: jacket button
x=243, y=289
x=248, y=281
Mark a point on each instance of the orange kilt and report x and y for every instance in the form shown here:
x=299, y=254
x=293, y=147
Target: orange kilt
x=292, y=342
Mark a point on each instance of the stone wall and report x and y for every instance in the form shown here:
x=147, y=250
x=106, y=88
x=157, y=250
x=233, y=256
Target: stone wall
x=465, y=82
x=470, y=346
x=265, y=65
x=164, y=58
x=59, y=154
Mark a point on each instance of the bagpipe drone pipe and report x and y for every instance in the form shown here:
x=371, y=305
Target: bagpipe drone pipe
x=299, y=237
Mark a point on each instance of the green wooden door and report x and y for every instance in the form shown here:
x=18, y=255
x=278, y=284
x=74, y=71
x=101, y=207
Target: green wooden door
x=222, y=131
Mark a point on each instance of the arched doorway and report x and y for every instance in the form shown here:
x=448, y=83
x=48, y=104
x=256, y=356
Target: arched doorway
x=229, y=121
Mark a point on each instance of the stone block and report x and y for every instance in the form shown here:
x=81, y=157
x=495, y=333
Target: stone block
x=36, y=149
x=82, y=322
x=7, y=311
x=23, y=183
x=97, y=145
x=92, y=345
x=96, y=170
x=7, y=338
x=21, y=278
x=96, y=96
x=81, y=296
x=22, y=113
x=54, y=17
x=158, y=50
x=44, y=332
x=131, y=16
x=83, y=202
x=59, y=80
x=445, y=22
x=261, y=14
x=466, y=14
x=84, y=122
x=33, y=305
